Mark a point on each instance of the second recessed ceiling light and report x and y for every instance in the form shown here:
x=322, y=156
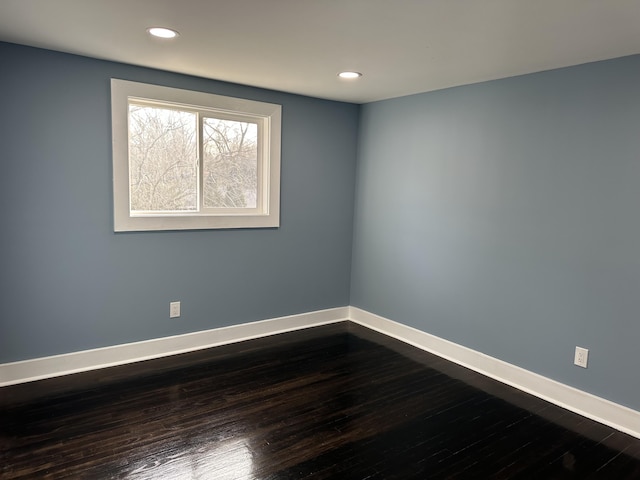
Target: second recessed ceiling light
x=162, y=32
x=350, y=75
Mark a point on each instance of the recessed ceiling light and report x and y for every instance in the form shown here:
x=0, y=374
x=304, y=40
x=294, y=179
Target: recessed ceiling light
x=349, y=74
x=162, y=32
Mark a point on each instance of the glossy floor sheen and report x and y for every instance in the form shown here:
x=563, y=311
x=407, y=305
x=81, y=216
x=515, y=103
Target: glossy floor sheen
x=330, y=402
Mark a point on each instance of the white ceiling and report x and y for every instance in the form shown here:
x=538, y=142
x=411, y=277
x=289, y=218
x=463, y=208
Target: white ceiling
x=401, y=46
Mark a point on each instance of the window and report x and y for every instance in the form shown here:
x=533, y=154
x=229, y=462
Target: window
x=191, y=160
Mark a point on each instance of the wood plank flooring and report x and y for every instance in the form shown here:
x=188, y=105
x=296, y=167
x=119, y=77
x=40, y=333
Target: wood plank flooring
x=332, y=402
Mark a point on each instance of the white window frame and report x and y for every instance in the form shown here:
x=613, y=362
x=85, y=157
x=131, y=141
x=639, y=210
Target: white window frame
x=268, y=117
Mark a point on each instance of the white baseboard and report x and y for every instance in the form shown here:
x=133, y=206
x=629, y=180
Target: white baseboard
x=596, y=408
x=599, y=409
x=57, y=365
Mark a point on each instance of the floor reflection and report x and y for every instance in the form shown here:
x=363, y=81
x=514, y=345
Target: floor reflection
x=226, y=460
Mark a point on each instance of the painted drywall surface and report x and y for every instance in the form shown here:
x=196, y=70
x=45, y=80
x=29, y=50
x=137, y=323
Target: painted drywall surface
x=505, y=216
x=70, y=283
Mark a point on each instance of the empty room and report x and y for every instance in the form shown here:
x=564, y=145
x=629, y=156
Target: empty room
x=310, y=239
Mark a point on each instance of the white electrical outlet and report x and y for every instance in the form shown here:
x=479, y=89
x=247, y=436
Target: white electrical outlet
x=580, y=359
x=174, y=309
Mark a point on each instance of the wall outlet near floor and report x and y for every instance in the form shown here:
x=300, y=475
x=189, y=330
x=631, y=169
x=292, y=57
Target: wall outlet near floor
x=580, y=359
x=174, y=309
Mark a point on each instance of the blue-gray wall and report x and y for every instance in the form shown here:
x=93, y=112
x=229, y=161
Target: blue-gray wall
x=505, y=216
x=69, y=283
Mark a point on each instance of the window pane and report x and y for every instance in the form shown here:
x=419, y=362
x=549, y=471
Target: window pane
x=230, y=166
x=162, y=159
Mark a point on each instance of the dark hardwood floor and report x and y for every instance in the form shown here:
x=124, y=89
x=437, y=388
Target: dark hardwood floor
x=338, y=401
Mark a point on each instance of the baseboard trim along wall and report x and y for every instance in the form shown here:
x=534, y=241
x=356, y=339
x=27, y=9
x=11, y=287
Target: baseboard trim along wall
x=57, y=365
x=596, y=408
